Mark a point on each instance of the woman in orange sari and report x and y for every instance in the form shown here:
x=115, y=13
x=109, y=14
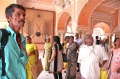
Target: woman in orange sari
x=115, y=63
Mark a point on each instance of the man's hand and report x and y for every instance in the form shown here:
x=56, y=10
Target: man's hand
x=100, y=65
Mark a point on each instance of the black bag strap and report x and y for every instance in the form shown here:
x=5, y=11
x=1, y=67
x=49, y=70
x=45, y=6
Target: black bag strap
x=4, y=41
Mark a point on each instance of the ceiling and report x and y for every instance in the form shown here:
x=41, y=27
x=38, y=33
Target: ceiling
x=108, y=6
x=50, y=5
x=44, y=1
x=38, y=4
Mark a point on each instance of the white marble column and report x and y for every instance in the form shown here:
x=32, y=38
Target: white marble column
x=83, y=35
x=61, y=34
x=62, y=37
x=58, y=34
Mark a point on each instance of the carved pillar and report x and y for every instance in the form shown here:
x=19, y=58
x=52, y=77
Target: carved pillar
x=61, y=34
x=58, y=34
x=62, y=37
x=90, y=26
x=83, y=33
x=110, y=40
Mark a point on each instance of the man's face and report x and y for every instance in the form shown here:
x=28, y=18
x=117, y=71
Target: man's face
x=17, y=19
x=77, y=36
x=88, y=39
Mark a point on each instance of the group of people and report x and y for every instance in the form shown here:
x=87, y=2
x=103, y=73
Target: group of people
x=20, y=53
x=91, y=58
x=55, y=60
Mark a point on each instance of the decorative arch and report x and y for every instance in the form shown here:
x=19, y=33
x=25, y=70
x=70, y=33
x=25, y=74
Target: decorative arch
x=105, y=27
x=86, y=12
x=64, y=21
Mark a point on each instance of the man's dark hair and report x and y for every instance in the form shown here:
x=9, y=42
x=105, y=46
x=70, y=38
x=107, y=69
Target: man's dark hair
x=10, y=9
x=96, y=37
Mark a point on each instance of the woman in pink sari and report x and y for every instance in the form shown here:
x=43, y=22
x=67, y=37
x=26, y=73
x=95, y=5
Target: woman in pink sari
x=115, y=63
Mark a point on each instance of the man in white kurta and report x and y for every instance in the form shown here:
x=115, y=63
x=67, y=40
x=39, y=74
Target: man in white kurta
x=90, y=57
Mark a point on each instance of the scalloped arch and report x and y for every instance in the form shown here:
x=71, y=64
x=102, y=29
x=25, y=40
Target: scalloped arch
x=63, y=21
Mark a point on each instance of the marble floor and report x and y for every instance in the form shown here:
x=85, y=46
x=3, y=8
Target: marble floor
x=45, y=75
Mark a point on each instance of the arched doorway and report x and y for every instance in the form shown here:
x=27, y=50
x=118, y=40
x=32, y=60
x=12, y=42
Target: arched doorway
x=86, y=11
x=64, y=21
x=102, y=30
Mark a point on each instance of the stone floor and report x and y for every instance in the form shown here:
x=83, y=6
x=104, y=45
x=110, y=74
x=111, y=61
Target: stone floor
x=46, y=75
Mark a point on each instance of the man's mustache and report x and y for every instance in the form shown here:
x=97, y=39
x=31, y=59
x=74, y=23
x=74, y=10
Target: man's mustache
x=21, y=21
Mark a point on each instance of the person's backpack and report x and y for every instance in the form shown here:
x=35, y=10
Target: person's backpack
x=3, y=41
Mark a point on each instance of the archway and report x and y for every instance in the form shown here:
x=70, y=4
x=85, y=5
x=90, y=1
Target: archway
x=63, y=21
x=105, y=27
x=102, y=30
x=86, y=11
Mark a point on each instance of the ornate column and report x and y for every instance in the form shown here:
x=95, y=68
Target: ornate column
x=110, y=40
x=78, y=30
x=83, y=34
x=61, y=35
x=57, y=33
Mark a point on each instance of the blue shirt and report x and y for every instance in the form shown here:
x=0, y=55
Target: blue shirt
x=15, y=57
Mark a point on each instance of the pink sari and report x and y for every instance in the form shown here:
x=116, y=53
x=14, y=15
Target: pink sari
x=82, y=77
x=115, y=64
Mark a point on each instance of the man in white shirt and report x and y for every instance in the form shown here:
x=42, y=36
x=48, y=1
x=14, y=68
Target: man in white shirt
x=89, y=57
x=79, y=41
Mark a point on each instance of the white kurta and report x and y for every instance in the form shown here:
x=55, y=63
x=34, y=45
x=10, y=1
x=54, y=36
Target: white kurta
x=90, y=59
